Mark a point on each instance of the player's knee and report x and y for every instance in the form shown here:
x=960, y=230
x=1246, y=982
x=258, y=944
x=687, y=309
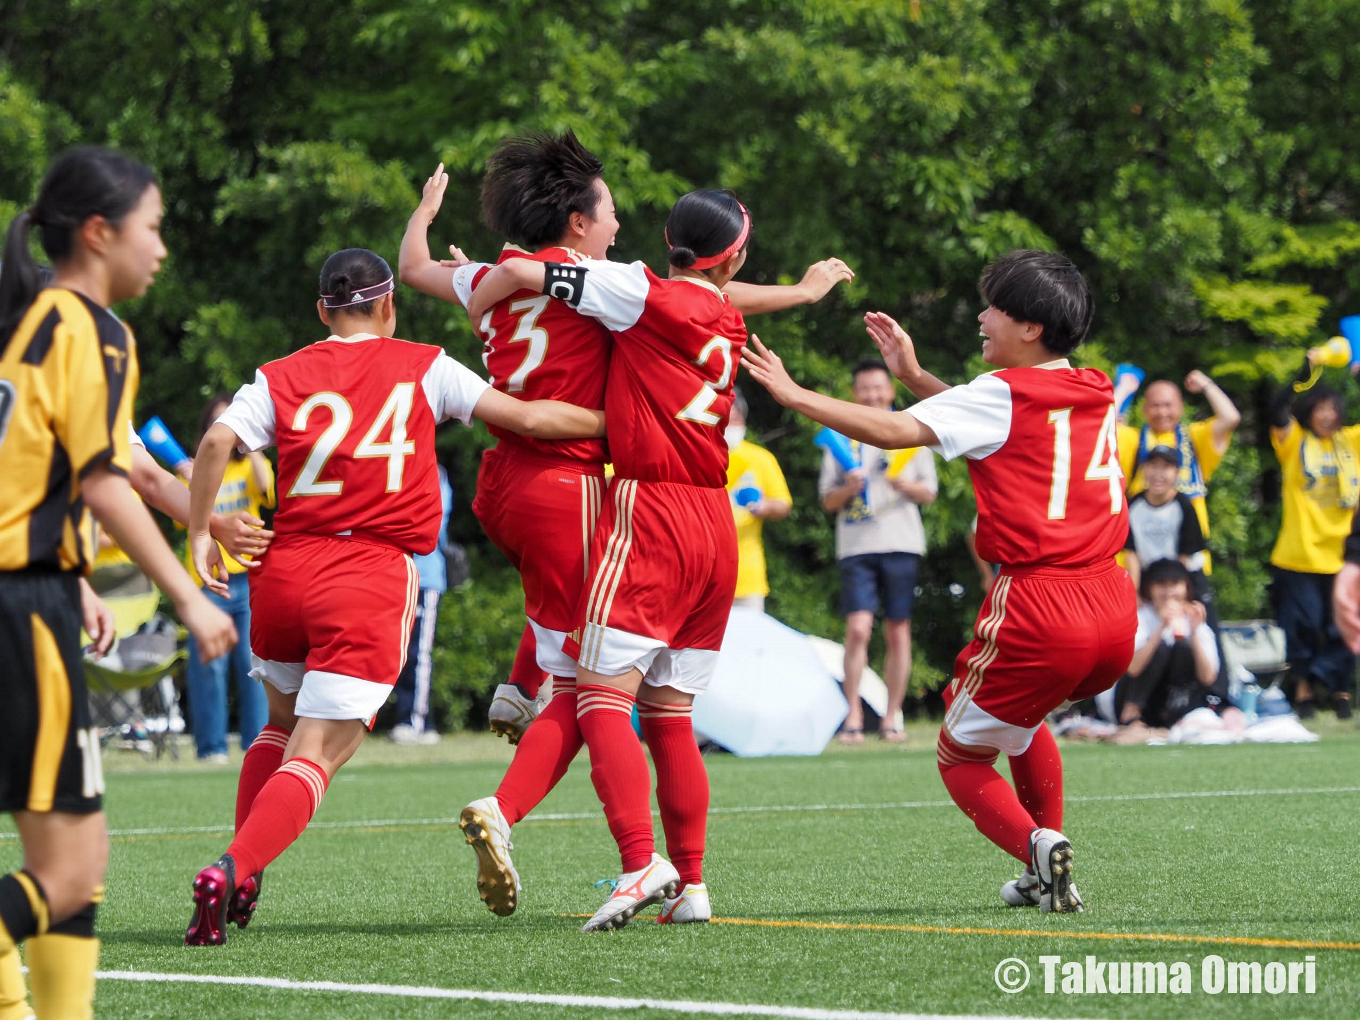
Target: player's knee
x=949, y=755
x=857, y=631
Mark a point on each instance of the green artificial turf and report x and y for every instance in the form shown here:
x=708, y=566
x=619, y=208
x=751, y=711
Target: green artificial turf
x=856, y=837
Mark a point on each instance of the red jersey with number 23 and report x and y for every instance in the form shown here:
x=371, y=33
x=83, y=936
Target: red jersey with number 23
x=1041, y=450
x=353, y=420
x=677, y=344
x=535, y=348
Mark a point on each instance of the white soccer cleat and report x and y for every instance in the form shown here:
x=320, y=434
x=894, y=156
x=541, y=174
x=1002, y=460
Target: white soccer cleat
x=1022, y=891
x=689, y=907
x=634, y=891
x=1050, y=855
x=512, y=712
x=488, y=833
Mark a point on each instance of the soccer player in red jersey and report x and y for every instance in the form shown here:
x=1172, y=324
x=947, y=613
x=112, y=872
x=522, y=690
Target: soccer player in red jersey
x=538, y=500
x=663, y=558
x=353, y=418
x=1059, y=621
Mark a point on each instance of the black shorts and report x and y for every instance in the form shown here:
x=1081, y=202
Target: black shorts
x=49, y=754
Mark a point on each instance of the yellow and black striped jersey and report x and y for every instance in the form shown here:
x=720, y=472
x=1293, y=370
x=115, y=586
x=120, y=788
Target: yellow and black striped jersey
x=68, y=377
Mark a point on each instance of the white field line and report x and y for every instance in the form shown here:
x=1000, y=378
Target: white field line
x=748, y=809
x=530, y=998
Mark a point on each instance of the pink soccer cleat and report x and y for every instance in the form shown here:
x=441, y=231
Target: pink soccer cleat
x=241, y=907
x=213, y=891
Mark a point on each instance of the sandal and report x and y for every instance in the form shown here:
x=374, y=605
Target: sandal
x=852, y=736
x=892, y=736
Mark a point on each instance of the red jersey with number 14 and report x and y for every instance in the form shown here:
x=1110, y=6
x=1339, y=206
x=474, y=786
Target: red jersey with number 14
x=677, y=344
x=1041, y=450
x=535, y=348
x=353, y=420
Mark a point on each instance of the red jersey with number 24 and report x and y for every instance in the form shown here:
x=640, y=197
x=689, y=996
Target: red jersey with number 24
x=353, y=420
x=1041, y=450
x=677, y=344
x=535, y=348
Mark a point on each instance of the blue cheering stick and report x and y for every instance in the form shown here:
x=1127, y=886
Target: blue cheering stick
x=1125, y=373
x=161, y=443
x=840, y=449
x=746, y=496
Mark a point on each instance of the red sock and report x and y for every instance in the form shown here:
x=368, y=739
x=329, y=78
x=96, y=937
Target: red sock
x=279, y=814
x=1038, y=776
x=525, y=672
x=261, y=762
x=681, y=785
x=543, y=754
x=618, y=768
x=977, y=787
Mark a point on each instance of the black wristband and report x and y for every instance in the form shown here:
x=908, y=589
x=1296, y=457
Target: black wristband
x=564, y=281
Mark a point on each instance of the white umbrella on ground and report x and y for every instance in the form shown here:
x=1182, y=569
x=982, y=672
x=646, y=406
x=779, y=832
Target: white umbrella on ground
x=770, y=694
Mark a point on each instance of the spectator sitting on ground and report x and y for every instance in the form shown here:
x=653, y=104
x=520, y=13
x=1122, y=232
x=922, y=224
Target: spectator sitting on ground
x=1320, y=487
x=1175, y=659
x=879, y=544
x=759, y=494
x=1201, y=444
x=1163, y=524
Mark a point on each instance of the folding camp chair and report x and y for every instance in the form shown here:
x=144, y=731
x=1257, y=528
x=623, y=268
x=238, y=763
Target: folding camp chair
x=132, y=686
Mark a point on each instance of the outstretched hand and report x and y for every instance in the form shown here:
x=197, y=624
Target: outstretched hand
x=432, y=195
x=822, y=276
x=899, y=353
x=764, y=366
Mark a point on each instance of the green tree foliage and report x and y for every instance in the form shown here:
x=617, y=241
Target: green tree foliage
x=1198, y=161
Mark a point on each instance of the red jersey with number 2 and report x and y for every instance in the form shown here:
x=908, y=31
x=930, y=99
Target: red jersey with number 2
x=353, y=420
x=1041, y=450
x=535, y=348
x=677, y=344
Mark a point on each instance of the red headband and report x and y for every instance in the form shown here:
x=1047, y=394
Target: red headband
x=709, y=261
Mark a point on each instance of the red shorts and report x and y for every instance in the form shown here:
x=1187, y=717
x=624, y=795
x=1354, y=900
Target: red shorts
x=331, y=617
x=1044, y=636
x=540, y=512
x=663, y=568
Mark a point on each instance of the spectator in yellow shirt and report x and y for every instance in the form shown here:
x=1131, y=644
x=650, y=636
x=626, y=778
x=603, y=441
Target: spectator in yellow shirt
x=1320, y=487
x=1201, y=444
x=759, y=494
x=248, y=486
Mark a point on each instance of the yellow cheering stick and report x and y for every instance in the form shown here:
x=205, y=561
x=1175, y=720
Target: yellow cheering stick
x=1338, y=352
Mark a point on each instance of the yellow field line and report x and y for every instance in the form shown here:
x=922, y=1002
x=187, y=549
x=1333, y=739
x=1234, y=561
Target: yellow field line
x=1106, y=936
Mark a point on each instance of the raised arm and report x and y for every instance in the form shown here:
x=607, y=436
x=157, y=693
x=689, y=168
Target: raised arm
x=757, y=299
x=1279, y=404
x=415, y=266
x=542, y=419
x=899, y=354
x=887, y=430
x=1226, y=415
x=504, y=280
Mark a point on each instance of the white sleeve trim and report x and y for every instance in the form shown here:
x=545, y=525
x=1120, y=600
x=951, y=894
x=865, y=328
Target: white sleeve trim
x=452, y=389
x=970, y=421
x=133, y=438
x=251, y=415
x=614, y=293
x=463, y=278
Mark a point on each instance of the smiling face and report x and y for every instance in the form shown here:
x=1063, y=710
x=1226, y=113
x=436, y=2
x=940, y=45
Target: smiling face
x=1326, y=419
x=1160, y=475
x=1163, y=406
x=873, y=387
x=1006, y=343
x=592, y=235
x=134, y=248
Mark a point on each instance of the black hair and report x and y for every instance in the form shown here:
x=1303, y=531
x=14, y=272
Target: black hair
x=534, y=184
x=1043, y=288
x=349, y=270
x=870, y=365
x=702, y=224
x=206, y=419
x=1167, y=571
x=1307, y=403
x=84, y=182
